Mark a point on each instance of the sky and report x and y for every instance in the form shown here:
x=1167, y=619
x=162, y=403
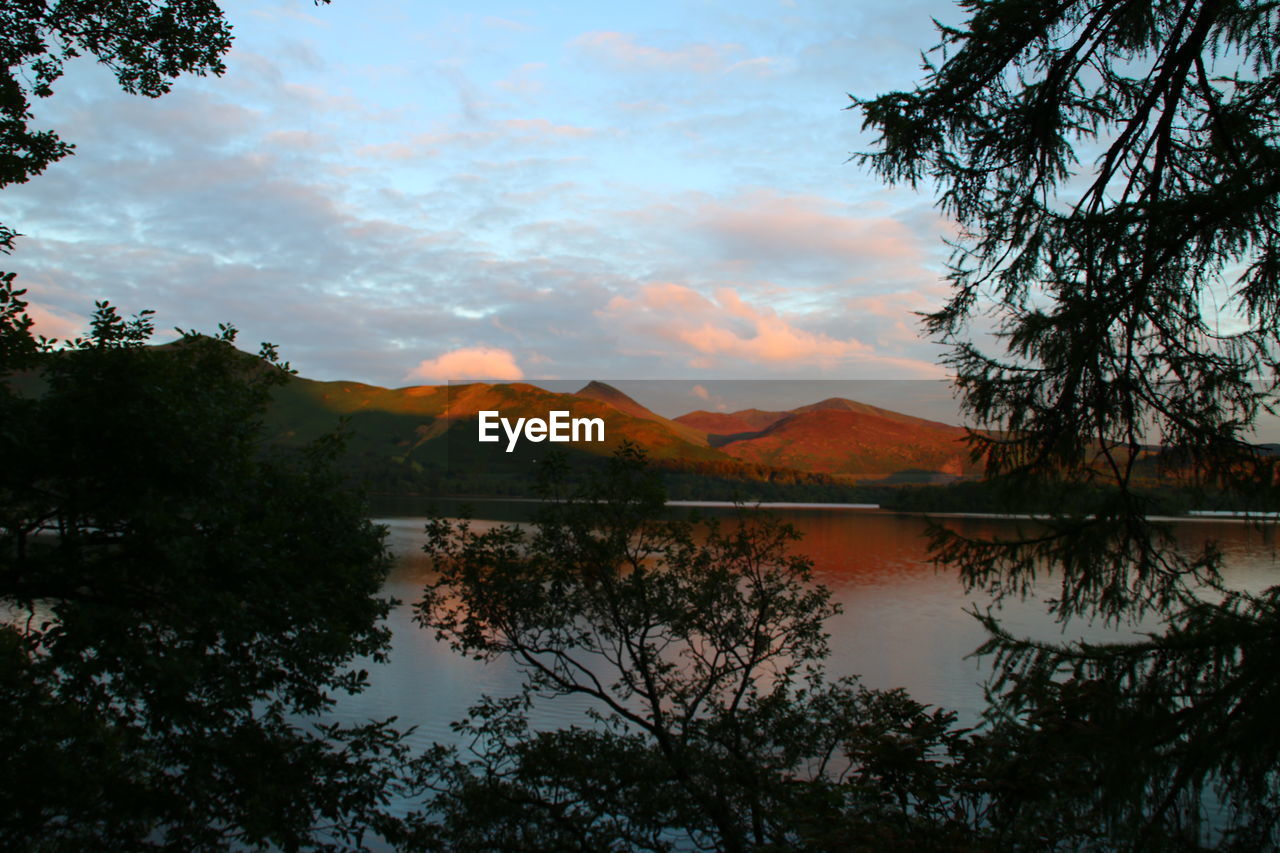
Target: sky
x=410, y=192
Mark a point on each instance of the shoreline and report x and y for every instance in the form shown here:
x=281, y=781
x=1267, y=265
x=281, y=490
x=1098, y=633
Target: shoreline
x=1191, y=515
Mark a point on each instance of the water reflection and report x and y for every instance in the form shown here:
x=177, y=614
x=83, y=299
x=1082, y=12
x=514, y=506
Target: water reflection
x=903, y=622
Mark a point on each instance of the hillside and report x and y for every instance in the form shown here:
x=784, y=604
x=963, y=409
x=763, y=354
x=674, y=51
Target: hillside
x=854, y=443
x=837, y=436
x=611, y=396
x=730, y=423
x=424, y=437
x=423, y=440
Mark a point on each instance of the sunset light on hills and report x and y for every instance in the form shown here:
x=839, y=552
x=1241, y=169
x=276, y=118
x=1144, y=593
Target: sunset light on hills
x=730, y=426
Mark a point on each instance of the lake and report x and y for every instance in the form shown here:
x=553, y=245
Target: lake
x=903, y=622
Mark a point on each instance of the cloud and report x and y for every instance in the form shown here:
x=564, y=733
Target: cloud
x=761, y=66
x=727, y=327
x=767, y=225
x=469, y=363
x=506, y=24
x=501, y=138
x=620, y=50
x=54, y=323
x=812, y=251
x=708, y=399
x=666, y=320
x=541, y=128
x=285, y=11
x=279, y=199
x=525, y=80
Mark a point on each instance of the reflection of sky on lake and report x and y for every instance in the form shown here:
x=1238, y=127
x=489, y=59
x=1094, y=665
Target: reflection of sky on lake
x=903, y=622
x=426, y=684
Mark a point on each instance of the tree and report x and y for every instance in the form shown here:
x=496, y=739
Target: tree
x=1114, y=167
x=146, y=44
x=1165, y=743
x=182, y=603
x=700, y=649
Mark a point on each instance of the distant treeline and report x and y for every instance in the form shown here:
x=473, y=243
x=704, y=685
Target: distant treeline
x=719, y=480
x=987, y=497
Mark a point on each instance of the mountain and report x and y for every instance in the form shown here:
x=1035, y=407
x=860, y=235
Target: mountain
x=840, y=404
x=856, y=443
x=611, y=396
x=423, y=437
x=730, y=423
x=757, y=420
x=837, y=436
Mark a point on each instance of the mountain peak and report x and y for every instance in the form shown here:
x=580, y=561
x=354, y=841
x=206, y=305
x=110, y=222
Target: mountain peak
x=595, y=386
x=610, y=396
x=841, y=404
x=838, y=403
x=606, y=393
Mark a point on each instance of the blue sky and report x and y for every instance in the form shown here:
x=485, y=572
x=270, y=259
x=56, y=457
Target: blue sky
x=406, y=192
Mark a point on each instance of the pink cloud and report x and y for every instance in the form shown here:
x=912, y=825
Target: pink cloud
x=469, y=363
x=664, y=318
x=53, y=323
x=726, y=327
x=800, y=241
x=767, y=223
x=665, y=296
x=892, y=317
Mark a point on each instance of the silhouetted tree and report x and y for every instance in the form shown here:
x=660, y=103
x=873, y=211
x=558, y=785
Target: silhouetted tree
x=701, y=651
x=1114, y=167
x=179, y=603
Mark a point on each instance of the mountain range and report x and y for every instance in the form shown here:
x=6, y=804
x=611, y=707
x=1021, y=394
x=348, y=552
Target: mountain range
x=428, y=428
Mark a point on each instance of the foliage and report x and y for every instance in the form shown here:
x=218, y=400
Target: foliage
x=1114, y=168
x=1164, y=743
x=699, y=650
x=145, y=43
x=180, y=605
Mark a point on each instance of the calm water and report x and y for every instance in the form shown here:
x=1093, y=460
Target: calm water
x=903, y=622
